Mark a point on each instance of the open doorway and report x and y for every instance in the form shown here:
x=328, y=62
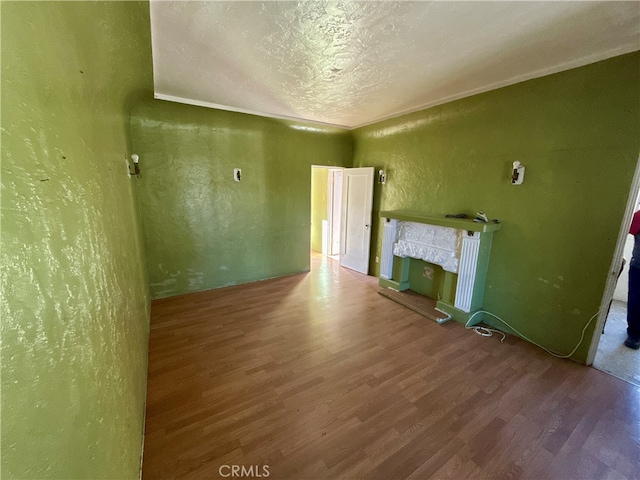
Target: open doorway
x=326, y=208
x=334, y=209
x=341, y=210
x=612, y=356
x=607, y=352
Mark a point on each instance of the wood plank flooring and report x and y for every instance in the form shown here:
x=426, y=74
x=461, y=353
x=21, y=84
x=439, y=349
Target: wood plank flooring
x=317, y=376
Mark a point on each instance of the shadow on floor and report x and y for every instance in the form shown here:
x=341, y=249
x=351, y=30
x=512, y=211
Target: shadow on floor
x=612, y=356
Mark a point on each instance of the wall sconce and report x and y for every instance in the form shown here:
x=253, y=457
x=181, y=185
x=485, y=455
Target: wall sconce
x=382, y=177
x=136, y=169
x=517, y=175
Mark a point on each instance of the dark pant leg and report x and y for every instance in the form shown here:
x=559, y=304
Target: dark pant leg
x=633, y=305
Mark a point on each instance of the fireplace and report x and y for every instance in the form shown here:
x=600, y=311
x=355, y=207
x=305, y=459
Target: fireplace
x=461, y=247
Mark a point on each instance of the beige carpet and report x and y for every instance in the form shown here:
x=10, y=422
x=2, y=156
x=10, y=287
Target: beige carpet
x=613, y=357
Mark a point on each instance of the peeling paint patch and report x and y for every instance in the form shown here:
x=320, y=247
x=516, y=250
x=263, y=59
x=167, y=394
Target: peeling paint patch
x=195, y=280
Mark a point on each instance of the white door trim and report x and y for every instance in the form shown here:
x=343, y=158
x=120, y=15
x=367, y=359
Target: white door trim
x=616, y=263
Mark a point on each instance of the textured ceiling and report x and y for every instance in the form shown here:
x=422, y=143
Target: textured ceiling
x=352, y=63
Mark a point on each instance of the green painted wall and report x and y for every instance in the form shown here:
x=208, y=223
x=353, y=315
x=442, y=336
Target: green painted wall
x=432, y=286
x=204, y=230
x=74, y=291
x=319, y=210
x=577, y=133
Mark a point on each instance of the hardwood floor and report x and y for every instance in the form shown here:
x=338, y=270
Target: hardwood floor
x=318, y=376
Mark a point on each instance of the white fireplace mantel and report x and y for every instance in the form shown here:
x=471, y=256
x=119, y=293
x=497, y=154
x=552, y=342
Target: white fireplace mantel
x=460, y=246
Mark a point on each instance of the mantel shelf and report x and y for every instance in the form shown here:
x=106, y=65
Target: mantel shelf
x=459, y=223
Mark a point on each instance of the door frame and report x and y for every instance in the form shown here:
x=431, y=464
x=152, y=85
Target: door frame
x=616, y=263
x=334, y=199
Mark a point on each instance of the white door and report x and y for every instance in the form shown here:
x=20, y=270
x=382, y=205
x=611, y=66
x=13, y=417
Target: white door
x=357, y=202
